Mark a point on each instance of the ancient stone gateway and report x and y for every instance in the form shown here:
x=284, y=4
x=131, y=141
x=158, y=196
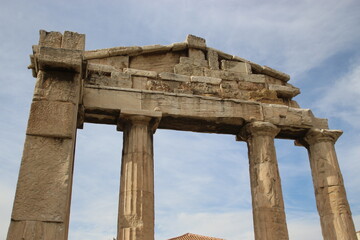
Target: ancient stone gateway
x=182, y=86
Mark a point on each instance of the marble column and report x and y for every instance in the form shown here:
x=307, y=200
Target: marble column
x=136, y=203
x=331, y=201
x=267, y=200
x=41, y=207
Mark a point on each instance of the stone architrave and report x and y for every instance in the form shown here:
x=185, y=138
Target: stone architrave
x=333, y=207
x=267, y=200
x=42, y=202
x=136, y=203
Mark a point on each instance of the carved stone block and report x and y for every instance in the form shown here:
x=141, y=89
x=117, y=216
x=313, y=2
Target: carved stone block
x=235, y=66
x=50, y=39
x=195, y=42
x=59, y=59
x=213, y=59
x=188, y=69
x=44, y=180
x=56, y=86
x=73, y=40
x=52, y=119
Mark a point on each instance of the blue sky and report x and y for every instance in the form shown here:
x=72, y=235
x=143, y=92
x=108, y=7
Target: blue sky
x=202, y=180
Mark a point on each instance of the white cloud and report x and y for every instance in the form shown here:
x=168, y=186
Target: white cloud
x=342, y=98
x=302, y=225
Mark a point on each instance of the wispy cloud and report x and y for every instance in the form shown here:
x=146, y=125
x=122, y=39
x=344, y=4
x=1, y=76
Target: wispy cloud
x=341, y=99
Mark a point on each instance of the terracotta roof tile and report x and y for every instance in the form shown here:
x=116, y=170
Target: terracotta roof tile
x=191, y=236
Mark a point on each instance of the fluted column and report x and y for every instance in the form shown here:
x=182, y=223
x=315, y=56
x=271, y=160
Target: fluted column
x=331, y=201
x=136, y=204
x=267, y=200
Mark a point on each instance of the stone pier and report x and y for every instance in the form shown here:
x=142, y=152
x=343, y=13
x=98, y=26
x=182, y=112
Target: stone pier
x=189, y=87
x=42, y=203
x=331, y=200
x=267, y=200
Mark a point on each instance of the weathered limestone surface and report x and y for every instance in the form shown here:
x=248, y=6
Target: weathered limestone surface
x=136, y=205
x=33, y=230
x=236, y=66
x=210, y=109
x=52, y=119
x=162, y=62
x=42, y=201
x=45, y=175
x=117, y=62
x=331, y=201
x=267, y=200
x=196, y=42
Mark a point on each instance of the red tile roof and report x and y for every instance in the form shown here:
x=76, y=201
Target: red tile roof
x=190, y=236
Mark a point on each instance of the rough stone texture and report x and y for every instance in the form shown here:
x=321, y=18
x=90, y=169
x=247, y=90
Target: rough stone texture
x=184, y=105
x=200, y=62
x=196, y=42
x=209, y=80
x=267, y=201
x=275, y=73
x=58, y=58
x=227, y=75
x=162, y=62
x=57, y=86
x=139, y=82
x=221, y=54
x=256, y=78
x=117, y=62
x=136, y=205
x=236, y=66
x=196, y=54
x=284, y=91
x=100, y=68
x=52, y=119
x=137, y=72
x=189, y=69
x=50, y=39
x=179, y=46
x=36, y=230
x=116, y=79
x=283, y=115
x=155, y=48
x=176, y=105
x=111, y=52
x=73, y=40
x=174, y=77
x=44, y=180
x=331, y=201
x=213, y=59
x=194, y=60
x=42, y=200
x=119, y=79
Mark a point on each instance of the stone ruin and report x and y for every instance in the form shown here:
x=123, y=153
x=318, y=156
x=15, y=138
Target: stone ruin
x=183, y=86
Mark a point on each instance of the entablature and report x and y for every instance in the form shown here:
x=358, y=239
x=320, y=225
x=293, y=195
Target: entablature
x=195, y=87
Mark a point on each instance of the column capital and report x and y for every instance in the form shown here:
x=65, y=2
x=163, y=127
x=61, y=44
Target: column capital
x=258, y=129
x=139, y=117
x=315, y=135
